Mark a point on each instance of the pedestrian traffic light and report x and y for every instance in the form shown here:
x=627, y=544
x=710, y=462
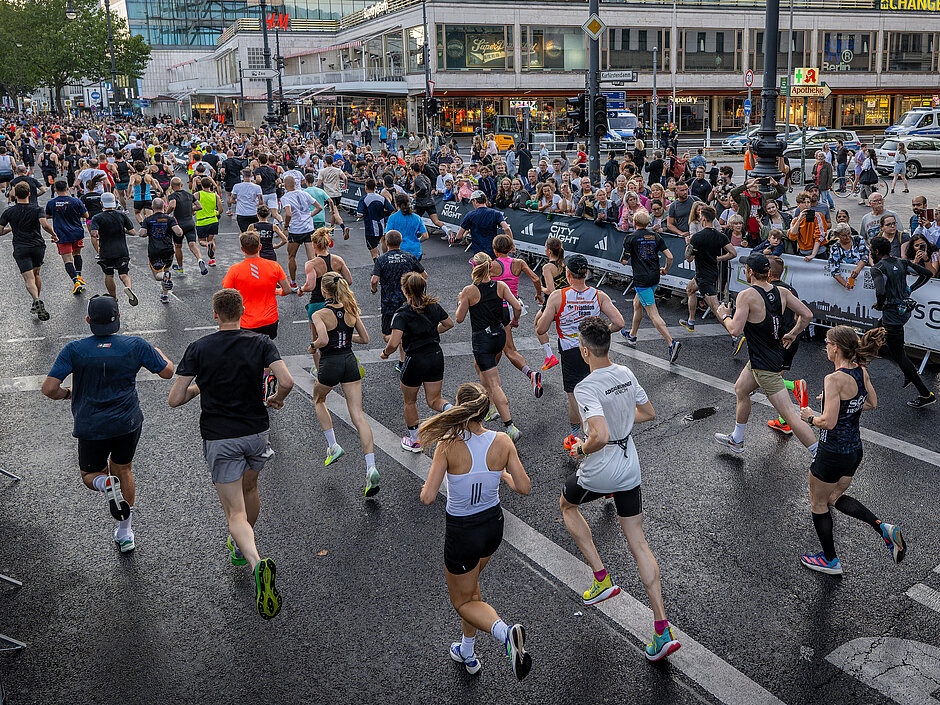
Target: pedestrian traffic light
x=280, y=63
x=575, y=112
x=432, y=106
x=600, y=116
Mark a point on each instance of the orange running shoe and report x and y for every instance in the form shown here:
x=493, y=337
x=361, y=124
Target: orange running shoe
x=549, y=363
x=782, y=427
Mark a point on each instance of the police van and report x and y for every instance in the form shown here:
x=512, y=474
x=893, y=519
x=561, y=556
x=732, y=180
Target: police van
x=620, y=127
x=921, y=122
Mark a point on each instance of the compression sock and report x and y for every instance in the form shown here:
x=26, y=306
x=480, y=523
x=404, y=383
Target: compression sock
x=500, y=630
x=99, y=482
x=600, y=575
x=547, y=349
x=527, y=371
x=77, y=260
x=370, y=461
x=70, y=270
x=738, y=435
x=660, y=626
x=823, y=524
x=466, y=646
x=413, y=433
x=330, y=438
x=854, y=508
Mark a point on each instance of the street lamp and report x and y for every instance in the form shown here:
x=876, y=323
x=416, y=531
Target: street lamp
x=70, y=11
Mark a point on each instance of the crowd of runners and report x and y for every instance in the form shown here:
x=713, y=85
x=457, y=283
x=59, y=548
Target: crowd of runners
x=282, y=190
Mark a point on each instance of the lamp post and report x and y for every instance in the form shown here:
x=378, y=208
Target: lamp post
x=768, y=148
x=427, y=74
x=271, y=117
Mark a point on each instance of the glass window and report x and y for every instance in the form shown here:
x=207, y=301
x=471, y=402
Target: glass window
x=712, y=50
x=474, y=47
x=758, y=51
x=846, y=51
x=862, y=112
x=910, y=51
x=393, y=52
x=554, y=49
x=627, y=48
x=415, y=49
x=255, y=57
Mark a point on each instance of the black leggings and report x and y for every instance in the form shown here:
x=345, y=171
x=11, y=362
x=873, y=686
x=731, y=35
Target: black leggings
x=893, y=349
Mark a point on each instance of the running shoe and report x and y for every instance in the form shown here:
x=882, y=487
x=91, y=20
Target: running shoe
x=211, y=262
x=472, y=664
x=515, y=649
x=413, y=445
x=663, y=645
x=210, y=248
x=228, y=212
x=203, y=269
x=514, y=433
x=688, y=325
x=894, y=541
x=80, y=280
x=125, y=542
x=234, y=552
x=725, y=439
x=164, y=298
x=345, y=232
x=35, y=306
x=674, y=349
x=600, y=591
x=117, y=505
x=629, y=339
x=41, y=313
x=167, y=281
x=918, y=403
x=818, y=562
x=492, y=413
x=267, y=596
x=782, y=427
x=372, y=482
x=270, y=385
x=549, y=363
x=131, y=296
x=77, y=287
x=736, y=344
x=800, y=392
x=335, y=453
x=178, y=268
x=537, y=383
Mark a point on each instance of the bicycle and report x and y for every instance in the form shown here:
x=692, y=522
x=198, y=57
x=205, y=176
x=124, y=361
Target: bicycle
x=881, y=186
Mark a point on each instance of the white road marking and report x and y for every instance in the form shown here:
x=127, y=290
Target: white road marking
x=25, y=340
x=705, y=668
x=925, y=595
x=201, y=328
x=902, y=670
x=145, y=332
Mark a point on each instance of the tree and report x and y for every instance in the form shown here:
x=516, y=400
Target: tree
x=18, y=74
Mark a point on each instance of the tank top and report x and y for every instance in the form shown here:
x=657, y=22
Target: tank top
x=6, y=164
x=124, y=171
x=266, y=234
x=142, y=190
x=206, y=215
x=162, y=176
x=845, y=436
x=340, y=338
x=71, y=161
x=103, y=166
x=316, y=296
x=46, y=162
x=477, y=490
x=560, y=280
x=575, y=307
x=763, y=339
x=487, y=313
x=512, y=280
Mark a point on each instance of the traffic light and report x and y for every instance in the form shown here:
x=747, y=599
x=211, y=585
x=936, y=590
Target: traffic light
x=285, y=108
x=280, y=63
x=432, y=105
x=600, y=116
x=575, y=112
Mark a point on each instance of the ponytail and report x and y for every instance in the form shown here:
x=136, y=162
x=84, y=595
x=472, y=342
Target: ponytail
x=453, y=424
x=321, y=238
x=860, y=350
x=415, y=288
x=481, y=267
x=338, y=289
x=869, y=345
x=554, y=246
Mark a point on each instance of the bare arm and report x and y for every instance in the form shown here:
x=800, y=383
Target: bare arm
x=183, y=390
x=730, y=253
x=829, y=416
x=644, y=413
x=432, y=485
x=361, y=335
x=463, y=306
x=52, y=388
x=515, y=475
x=394, y=340
x=285, y=383
x=611, y=311
x=548, y=315
x=502, y=289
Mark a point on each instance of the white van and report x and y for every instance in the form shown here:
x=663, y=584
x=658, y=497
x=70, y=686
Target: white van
x=922, y=122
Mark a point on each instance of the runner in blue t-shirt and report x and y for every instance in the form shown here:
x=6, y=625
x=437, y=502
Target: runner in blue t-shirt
x=105, y=408
x=373, y=209
x=408, y=224
x=482, y=223
x=68, y=215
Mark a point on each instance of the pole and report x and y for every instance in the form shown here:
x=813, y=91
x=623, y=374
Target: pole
x=107, y=10
x=427, y=76
x=280, y=84
x=271, y=116
x=768, y=148
x=655, y=111
x=803, y=145
x=594, y=61
x=241, y=92
x=675, y=28
x=786, y=132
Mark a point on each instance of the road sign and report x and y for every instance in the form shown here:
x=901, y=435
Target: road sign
x=95, y=95
x=806, y=77
x=616, y=100
x=142, y=102
x=784, y=85
x=624, y=76
x=594, y=27
x=747, y=108
x=822, y=91
x=259, y=73
x=108, y=86
x=748, y=78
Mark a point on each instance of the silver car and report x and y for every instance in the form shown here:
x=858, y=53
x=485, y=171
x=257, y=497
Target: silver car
x=923, y=155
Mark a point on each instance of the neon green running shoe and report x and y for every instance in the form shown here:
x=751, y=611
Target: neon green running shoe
x=491, y=414
x=237, y=557
x=268, y=598
x=600, y=591
x=372, y=482
x=335, y=453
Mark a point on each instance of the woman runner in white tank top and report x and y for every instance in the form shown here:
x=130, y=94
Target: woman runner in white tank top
x=474, y=461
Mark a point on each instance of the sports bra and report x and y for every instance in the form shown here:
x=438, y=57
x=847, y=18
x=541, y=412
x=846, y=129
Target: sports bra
x=512, y=280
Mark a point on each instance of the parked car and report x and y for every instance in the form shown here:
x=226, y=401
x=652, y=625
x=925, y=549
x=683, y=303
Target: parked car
x=737, y=143
x=814, y=141
x=923, y=154
x=919, y=122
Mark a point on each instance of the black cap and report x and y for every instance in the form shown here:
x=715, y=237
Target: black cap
x=103, y=315
x=578, y=265
x=757, y=262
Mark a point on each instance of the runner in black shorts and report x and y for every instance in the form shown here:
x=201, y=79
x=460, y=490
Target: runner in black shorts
x=848, y=392
x=798, y=387
x=707, y=248
x=474, y=517
x=267, y=232
x=160, y=229
x=27, y=222
x=417, y=327
x=180, y=204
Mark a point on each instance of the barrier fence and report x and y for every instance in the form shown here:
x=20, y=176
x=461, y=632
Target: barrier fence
x=602, y=246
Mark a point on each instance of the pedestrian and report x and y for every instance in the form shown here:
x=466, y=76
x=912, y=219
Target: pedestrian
x=111, y=228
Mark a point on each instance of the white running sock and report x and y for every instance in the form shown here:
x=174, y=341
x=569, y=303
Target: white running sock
x=466, y=646
x=124, y=527
x=547, y=349
x=413, y=434
x=99, y=482
x=500, y=630
x=370, y=461
x=527, y=371
x=738, y=435
x=447, y=405
x=330, y=438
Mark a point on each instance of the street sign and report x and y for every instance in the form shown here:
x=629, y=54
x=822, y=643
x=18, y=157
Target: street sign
x=142, y=102
x=806, y=77
x=108, y=86
x=259, y=73
x=95, y=95
x=784, y=84
x=748, y=78
x=624, y=76
x=747, y=108
x=822, y=91
x=594, y=27
x=616, y=100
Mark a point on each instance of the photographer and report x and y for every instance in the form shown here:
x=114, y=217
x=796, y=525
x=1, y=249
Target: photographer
x=920, y=251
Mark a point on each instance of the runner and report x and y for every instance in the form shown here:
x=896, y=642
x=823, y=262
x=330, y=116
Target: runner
x=374, y=209
x=7, y=168
x=424, y=197
x=27, y=222
x=144, y=186
x=847, y=393
x=299, y=207
x=333, y=180
x=611, y=401
x=567, y=307
x=110, y=228
x=319, y=195
x=481, y=223
x=223, y=368
x=474, y=460
x=123, y=178
x=246, y=196
x=265, y=175
x=266, y=231
x=105, y=407
x=484, y=300
x=758, y=315
x=230, y=171
x=161, y=229
x=416, y=327
x=315, y=268
x=553, y=277
x=36, y=189
x=338, y=326
x=207, y=217
x=788, y=320
x=641, y=250
x=67, y=214
x=49, y=165
x=179, y=204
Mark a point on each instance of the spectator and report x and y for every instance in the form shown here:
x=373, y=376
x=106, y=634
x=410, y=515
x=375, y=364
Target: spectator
x=659, y=193
x=639, y=154
x=822, y=177
x=900, y=167
x=919, y=206
x=842, y=216
x=871, y=222
x=727, y=213
x=773, y=245
x=633, y=186
x=736, y=232
x=504, y=193
x=921, y=251
x=749, y=200
x=655, y=168
x=548, y=199
x=449, y=193
x=604, y=211
x=586, y=204
x=773, y=218
x=512, y=164
x=808, y=229
x=543, y=152
x=700, y=187
x=698, y=160
x=611, y=167
x=519, y=195
x=847, y=248
x=544, y=173
x=629, y=208
x=678, y=214
x=868, y=176
x=713, y=173
x=619, y=191
x=657, y=216
x=695, y=221
x=566, y=205
x=842, y=163
x=816, y=204
x=523, y=158
x=464, y=190
x=891, y=233
x=721, y=196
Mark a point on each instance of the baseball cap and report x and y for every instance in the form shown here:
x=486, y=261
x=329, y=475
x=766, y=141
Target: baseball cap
x=756, y=261
x=108, y=200
x=478, y=196
x=109, y=151
x=103, y=315
x=578, y=265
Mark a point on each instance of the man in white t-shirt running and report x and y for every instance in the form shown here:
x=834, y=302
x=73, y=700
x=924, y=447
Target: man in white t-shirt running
x=333, y=181
x=299, y=209
x=246, y=196
x=610, y=401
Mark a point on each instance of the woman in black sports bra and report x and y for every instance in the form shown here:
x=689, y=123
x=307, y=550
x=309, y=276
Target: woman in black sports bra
x=314, y=270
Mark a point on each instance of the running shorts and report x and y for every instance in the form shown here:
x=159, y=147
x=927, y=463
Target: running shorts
x=313, y=307
x=48, y=176
x=336, y=200
x=338, y=369
x=140, y=205
x=189, y=234
x=387, y=323
x=269, y=330
x=121, y=186
x=93, y=455
x=470, y=538
x=28, y=258
x=244, y=221
x=6, y=178
x=228, y=458
x=67, y=248
x=789, y=353
x=160, y=263
x=204, y=231
x=426, y=366
x=629, y=503
x=299, y=238
x=121, y=264
x=646, y=294
x=373, y=242
x=829, y=466
x=487, y=347
x=270, y=200
x=428, y=210
x=769, y=382
x=573, y=368
x=707, y=287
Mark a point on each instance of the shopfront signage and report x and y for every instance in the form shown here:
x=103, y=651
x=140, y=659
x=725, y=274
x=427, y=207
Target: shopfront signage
x=805, y=77
x=379, y=8
x=521, y=104
x=912, y=5
x=822, y=91
x=278, y=20
x=838, y=61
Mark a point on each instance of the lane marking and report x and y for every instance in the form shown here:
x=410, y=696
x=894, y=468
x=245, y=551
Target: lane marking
x=145, y=332
x=25, y=340
x=705, y=668
x=201, y=328
x=925, y=595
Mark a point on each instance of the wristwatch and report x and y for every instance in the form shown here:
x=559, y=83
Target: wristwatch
x=810, y=422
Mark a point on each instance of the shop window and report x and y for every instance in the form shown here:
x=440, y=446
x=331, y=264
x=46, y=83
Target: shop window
x=393, y=53
x=846, y=51
x=863, y=112
x=554, y=49
x=626, y=48
x=416, y=43
x=713, y=50
x=474, y=47
x=758, y=50
x=913, y=52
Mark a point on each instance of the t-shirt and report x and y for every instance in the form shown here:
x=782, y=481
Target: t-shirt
x=34, y=187
x=301, y=203
x=112, y=237
x=410, y=226
x=612, y=392
x=318, y=195
x=246, y=198
x=871, y=224
x=642, y=248
x=268, y=178
x=708, y=245
x=92, y=203
x=679, y=211
x=104, y=373
x=159, y=227
x=227, y=366
x=256, y=278
x=390, y=267
x=24, y=219
x=332, y=179
x=419, y=330
x=233, y=169
x=483, y=224
x=87, y=175
x=183, y=210
x=373, y=208
x=66, y=214
x=422, y=189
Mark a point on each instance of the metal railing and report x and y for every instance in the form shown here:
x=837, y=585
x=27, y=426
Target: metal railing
x=372, y=73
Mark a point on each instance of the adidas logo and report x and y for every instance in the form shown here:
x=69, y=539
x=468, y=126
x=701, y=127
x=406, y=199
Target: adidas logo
x=529, y=230
x=602, y=245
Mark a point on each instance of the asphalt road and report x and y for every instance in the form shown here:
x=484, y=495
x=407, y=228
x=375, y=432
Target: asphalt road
x=366, y=615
